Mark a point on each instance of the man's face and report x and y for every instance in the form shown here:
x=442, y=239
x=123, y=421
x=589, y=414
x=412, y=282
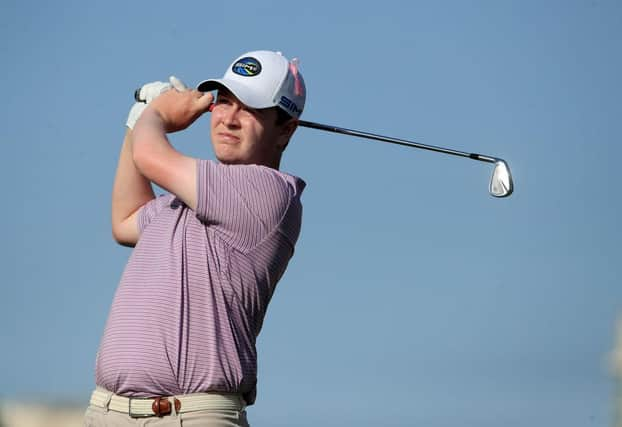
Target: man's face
x=242, y=135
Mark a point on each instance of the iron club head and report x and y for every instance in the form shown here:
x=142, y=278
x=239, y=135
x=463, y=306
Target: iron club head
x=501, y=184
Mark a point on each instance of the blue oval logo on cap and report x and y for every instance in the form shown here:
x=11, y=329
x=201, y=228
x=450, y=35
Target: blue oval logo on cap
x=247, y=67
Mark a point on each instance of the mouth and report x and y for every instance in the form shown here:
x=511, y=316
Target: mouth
x=228, y=138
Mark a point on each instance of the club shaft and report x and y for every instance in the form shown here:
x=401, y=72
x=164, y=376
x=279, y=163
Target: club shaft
x=367, y=135
x=335, y=129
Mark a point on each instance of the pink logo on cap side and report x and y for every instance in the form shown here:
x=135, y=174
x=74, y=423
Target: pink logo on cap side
x=293, y=68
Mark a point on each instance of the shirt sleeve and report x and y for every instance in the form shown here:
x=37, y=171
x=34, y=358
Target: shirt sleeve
x=243, y=203
x=151, y=209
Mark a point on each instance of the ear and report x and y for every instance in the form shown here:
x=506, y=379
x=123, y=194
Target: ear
x=287, y=129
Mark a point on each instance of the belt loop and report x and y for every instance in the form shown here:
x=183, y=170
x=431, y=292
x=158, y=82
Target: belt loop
x=175, y=406
x=107, y=401
x=172, y=400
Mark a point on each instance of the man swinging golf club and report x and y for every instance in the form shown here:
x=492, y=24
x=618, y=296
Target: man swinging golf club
x=179, y=342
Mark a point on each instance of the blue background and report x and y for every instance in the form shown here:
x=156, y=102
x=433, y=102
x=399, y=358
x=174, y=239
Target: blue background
x=414, y=297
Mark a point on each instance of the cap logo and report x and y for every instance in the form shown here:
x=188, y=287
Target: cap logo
x=289, y=105
x=247, y=67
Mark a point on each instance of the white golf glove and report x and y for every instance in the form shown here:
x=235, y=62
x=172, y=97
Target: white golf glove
x=177, y=84
x=148, y=93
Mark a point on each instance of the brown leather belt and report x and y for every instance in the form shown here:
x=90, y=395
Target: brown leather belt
x=162, y=406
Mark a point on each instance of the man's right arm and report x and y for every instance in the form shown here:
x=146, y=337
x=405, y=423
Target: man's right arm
x=131, y=190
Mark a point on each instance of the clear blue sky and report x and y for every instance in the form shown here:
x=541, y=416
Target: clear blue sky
x=414, y=297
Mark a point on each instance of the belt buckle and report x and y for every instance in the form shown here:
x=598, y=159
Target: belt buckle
x=161, y=406
x=129, y=410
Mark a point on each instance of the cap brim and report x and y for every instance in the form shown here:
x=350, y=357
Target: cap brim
x=245, y=94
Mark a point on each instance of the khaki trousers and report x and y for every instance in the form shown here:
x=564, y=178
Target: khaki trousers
x=100, y=417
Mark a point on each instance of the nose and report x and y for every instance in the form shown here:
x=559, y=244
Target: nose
x=230, y=115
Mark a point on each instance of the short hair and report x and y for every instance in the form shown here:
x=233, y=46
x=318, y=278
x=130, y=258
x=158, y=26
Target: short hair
x=282, y=116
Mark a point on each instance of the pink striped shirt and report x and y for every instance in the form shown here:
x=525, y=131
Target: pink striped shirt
x=194, y=293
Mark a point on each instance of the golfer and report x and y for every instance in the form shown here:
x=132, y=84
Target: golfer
x=179, y=342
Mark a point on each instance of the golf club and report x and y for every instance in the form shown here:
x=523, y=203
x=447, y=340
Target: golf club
x=501, y=183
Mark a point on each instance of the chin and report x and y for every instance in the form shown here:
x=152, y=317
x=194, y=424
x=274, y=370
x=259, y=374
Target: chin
x=225, y=154
x=229, y=160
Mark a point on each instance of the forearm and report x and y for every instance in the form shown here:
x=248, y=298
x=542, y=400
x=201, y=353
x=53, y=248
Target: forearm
x=158, y=161
x=150, y=145
x=131, y=190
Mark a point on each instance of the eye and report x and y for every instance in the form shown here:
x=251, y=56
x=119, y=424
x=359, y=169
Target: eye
x=223, y=100
x=251, y=111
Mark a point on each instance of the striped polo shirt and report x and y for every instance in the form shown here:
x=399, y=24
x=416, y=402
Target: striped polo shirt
x=194, y=293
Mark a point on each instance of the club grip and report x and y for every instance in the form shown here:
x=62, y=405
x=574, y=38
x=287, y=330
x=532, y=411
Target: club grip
x=137, y=96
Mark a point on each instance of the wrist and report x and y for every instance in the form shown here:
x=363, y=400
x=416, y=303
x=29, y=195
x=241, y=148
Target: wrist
x=151, y=120
x=134, y=114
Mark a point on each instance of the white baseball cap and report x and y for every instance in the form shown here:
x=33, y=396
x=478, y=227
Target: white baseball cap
x=263, y=79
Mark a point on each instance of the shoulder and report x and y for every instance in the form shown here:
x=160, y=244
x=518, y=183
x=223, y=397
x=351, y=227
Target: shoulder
x=288, y=182
x=252, y=176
